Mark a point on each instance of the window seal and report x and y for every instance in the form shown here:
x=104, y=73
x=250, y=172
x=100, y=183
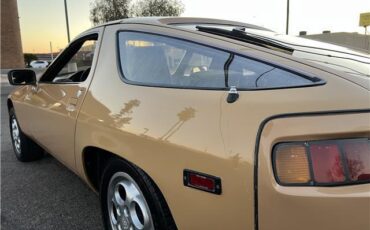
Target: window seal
x=226, y=69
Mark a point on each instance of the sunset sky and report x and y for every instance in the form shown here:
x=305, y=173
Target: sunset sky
x=43, y=21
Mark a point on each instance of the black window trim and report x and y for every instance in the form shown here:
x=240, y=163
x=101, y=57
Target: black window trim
x=316, y=81
x=65, y=54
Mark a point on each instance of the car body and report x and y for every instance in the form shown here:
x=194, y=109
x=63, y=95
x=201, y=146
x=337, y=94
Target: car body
x=333, y=56
x=38, y=64
x=200, y=119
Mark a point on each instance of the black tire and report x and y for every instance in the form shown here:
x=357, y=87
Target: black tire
x=162, y=218
x=27, y=150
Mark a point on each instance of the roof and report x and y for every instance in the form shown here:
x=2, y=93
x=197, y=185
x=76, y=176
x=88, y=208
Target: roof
x=182, y=20
x=359, y=42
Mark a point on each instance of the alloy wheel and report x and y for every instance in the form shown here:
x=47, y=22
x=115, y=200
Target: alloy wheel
x=127, y=207
x=16, y=134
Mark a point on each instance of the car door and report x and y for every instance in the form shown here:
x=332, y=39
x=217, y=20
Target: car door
x=56, y=100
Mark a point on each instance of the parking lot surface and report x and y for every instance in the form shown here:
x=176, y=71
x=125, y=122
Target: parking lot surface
x=42, y=194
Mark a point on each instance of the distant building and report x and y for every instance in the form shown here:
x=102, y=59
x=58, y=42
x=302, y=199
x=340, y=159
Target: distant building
x=11, y=44
x=46, y=56
x=355, y=41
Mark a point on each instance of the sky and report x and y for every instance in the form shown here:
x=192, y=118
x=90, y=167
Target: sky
x=43, y=21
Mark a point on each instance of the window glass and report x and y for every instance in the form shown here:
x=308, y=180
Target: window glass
x=251, y=74
x=159, y=60
x=174, y=57
x=78, y=67
x=153, y=59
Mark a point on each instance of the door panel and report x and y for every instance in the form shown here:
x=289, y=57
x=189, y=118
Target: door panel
x=23, y=110
x=56, y=111
x=55, y=102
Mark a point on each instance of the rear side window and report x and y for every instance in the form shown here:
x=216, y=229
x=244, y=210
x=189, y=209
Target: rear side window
x=149, y=59
x=250, y=74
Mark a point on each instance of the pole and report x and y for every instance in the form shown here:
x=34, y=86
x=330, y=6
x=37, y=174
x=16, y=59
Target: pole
x=367, y=40
x=66, y=12
x=287, y=18
x=51, y=52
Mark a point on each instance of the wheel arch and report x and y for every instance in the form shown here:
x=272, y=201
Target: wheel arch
x=94, y=162
x=9, y=104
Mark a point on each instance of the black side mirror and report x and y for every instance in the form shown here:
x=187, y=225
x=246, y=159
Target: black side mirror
x=22, y=77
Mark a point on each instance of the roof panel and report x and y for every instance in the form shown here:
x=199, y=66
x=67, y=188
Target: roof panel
x=182, y=20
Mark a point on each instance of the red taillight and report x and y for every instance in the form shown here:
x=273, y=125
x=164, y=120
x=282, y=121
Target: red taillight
x=326, y=163
x=358, y=160
x=329, y=162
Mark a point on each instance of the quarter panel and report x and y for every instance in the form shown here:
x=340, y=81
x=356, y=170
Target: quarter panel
x=144, y=126
x=165, y=131
x=281, y=207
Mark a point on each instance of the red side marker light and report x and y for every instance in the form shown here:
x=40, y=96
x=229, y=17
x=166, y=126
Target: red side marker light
x=202, y=181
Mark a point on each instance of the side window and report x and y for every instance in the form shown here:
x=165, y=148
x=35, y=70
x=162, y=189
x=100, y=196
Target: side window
x=74, y=64
x=246, y=73
x=174, y=57
x=197, y=63
x=78, y=68
x=162, y=61
x=158, y=60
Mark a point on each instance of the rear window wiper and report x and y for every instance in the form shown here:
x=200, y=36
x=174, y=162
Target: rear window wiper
x=240, y=35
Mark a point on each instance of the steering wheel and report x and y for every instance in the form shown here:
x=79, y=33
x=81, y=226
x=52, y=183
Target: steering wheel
x=84, y=74
x=80, y=76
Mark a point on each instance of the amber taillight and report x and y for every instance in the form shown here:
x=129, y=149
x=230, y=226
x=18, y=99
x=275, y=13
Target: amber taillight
x=322, y=163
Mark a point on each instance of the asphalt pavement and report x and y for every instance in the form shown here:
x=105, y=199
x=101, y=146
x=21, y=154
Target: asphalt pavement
x=42, y=194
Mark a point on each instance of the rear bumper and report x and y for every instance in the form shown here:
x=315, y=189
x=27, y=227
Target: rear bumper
x=283, y=207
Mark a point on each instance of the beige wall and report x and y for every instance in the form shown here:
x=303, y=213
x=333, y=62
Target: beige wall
x=350, y=40
x=11, y=45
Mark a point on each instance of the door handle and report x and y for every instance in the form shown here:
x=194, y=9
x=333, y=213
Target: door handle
x=79, y=92
x=72, y=103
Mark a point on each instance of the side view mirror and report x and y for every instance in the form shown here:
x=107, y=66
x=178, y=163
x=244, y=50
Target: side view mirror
x=22, y=77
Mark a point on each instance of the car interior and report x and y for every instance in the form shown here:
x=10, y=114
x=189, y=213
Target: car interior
x=79, y=76
x=74, y=64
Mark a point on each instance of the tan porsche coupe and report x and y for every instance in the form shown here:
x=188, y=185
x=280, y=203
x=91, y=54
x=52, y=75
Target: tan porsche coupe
x=188, y=123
